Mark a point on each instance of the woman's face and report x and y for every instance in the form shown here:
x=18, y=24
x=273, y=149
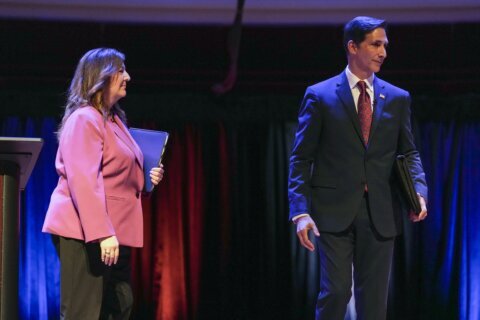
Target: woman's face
x=117, y=88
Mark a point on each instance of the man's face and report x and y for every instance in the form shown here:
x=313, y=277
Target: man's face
x=368, y=56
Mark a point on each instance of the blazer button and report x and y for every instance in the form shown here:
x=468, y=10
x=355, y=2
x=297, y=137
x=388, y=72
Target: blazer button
x=137, y=194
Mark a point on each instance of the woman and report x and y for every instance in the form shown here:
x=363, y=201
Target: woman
x=95, y=212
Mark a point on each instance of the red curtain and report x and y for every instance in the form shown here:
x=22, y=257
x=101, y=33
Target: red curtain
x=166, y=272
x=225, y=169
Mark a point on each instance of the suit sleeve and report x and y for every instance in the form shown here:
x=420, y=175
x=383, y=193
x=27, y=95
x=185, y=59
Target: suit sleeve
x=406, y=146
x=82, y=151
x=301, y=159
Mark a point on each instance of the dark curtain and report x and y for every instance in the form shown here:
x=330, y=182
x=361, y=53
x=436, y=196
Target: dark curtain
x=218, y=244
x=39, y=279
x=437, y=272
x=166, y=270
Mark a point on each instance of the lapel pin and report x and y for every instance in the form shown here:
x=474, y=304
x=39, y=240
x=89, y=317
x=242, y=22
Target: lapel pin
x=382, y=96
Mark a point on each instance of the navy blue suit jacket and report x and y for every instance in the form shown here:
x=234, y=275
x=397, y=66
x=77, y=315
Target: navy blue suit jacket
x=330, y=165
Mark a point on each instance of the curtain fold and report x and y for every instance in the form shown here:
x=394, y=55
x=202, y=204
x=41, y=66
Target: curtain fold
x=166, y=271
x=450, y=243
x=38, y=263
x=217, y=241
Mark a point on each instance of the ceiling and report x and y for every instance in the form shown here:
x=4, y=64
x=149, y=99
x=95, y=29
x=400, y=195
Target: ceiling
x=256, y=12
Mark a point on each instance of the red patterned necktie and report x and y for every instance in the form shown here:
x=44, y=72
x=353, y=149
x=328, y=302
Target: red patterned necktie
x=364, y=110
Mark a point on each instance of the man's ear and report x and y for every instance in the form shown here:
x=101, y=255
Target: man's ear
x=351, y=47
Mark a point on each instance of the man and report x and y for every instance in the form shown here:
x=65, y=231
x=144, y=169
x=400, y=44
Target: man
x=351, y=127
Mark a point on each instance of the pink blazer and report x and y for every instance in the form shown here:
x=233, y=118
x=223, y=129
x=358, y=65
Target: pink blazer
x=101, y=180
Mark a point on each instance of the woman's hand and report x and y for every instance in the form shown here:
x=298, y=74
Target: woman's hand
x=156, y=174
x=109, y=249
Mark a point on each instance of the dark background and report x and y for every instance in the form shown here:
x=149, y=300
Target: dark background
x=218, y=243
x=38, y=58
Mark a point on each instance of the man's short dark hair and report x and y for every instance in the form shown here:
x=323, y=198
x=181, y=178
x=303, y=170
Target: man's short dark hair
x=357, y=28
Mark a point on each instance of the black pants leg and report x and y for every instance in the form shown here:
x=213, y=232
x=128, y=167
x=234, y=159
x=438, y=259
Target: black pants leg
x=81, y=279
x=371, y=264
x=118, y=298
x=371, y=256
x=336, y=257
x=89, y=289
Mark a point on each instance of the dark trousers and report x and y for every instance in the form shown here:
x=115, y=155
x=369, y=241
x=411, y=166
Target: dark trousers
x=89, y=288
x=371, y=256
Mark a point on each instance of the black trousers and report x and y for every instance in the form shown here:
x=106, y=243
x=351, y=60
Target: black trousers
x=89, y=289
x=371, y=256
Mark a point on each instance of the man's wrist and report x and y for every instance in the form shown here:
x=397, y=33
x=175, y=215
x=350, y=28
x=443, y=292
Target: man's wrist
x=420, y=195
x=297, y=217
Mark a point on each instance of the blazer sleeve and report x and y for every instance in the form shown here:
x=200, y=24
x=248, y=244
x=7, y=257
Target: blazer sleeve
x=406, y=146
x=301, y=159
x=82, y=144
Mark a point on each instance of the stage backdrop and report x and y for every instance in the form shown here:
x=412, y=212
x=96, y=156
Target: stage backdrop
x=218, y=243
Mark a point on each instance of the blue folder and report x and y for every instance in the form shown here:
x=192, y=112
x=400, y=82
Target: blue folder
x=152, y=143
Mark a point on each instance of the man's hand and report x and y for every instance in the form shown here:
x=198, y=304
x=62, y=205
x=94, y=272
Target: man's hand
x=423, y=214
x=304, y=225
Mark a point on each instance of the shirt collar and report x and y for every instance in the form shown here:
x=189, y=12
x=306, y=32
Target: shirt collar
x=353, y=79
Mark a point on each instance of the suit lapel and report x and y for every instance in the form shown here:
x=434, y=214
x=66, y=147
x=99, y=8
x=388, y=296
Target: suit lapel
x=345, y=94
x=122, y=133
x=378, y=104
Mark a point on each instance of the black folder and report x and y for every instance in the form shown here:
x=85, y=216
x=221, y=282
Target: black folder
x=406, y=185
x=152, y=143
